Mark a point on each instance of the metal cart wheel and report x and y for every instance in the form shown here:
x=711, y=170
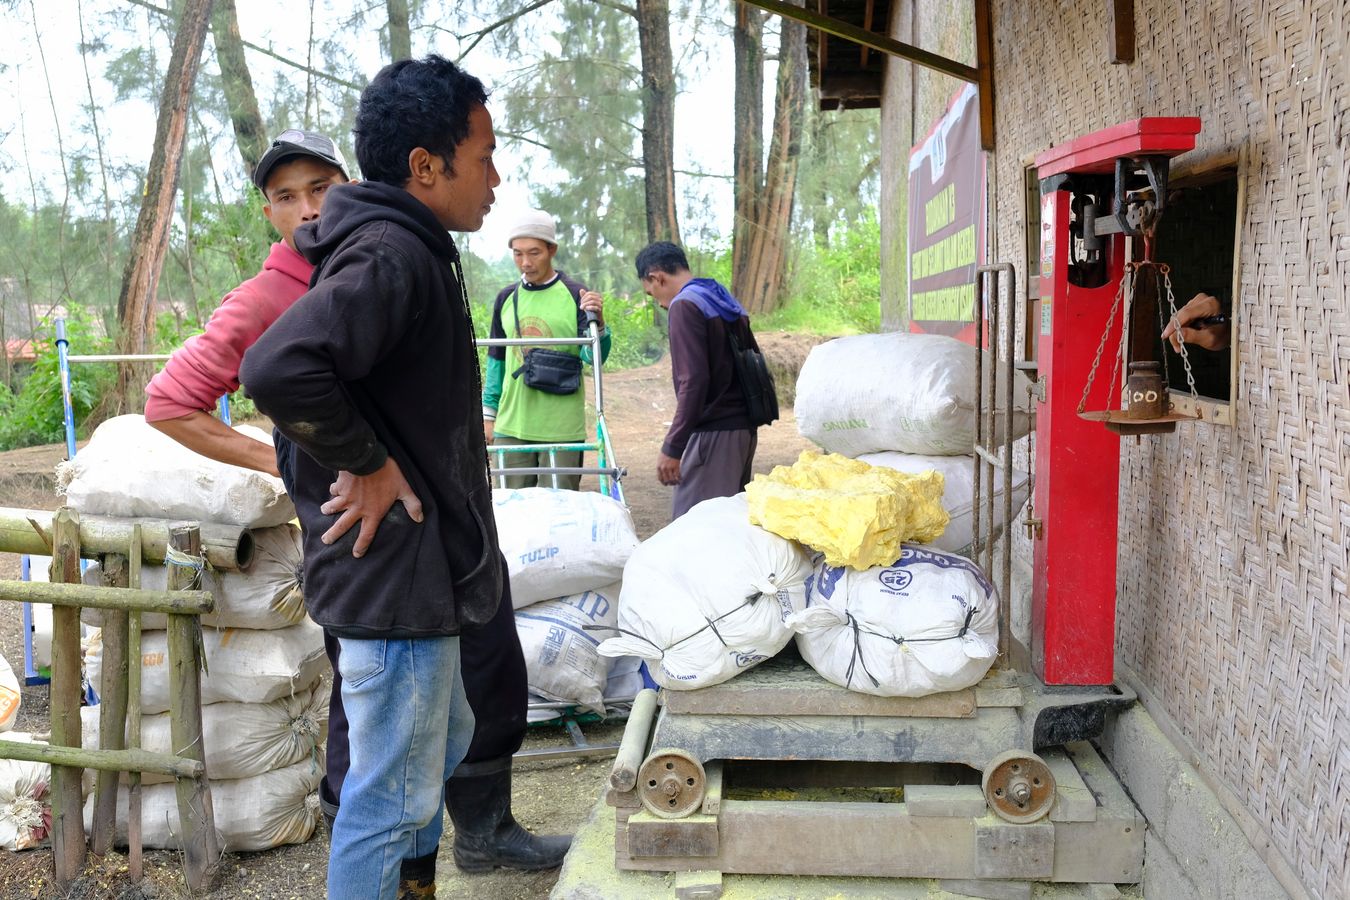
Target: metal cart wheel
x=671, y=784
x=1018, y=786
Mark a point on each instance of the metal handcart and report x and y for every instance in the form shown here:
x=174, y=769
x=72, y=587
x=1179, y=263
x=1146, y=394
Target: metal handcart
x=606, y=469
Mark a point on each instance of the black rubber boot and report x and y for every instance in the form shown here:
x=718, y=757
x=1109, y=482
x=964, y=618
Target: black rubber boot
x=478, y=797
x=328, y=808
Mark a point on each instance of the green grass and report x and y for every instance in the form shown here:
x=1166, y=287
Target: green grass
x=834, y=290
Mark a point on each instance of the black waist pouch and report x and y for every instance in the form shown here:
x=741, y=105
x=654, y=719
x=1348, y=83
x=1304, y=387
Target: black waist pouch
x=551, y=371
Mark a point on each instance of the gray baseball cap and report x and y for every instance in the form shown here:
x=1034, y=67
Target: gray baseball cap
x=294, y=142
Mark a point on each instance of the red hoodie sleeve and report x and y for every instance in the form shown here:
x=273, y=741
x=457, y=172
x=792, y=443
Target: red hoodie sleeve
x=690, y=370
x=207, y=365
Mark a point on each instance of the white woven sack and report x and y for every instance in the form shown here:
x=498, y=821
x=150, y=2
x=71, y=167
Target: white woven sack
x=561, y=661
x=130, y=469
x=705, y=597
x=39, y=570
x=558, y=542
x=10, y=695
x=265, y=596
x=925, y=624
x=914, y=393
x=240, y=739
x=243, y=665
x=269, y=810
x=25, y=799
x=958, y=495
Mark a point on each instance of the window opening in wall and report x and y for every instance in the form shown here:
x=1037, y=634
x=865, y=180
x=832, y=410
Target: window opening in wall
x=1197, y=238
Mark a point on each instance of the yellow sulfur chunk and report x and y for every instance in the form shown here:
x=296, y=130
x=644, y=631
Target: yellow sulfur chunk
x=857, y=514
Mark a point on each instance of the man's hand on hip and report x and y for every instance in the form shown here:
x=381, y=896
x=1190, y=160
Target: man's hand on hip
x=667, y=469
x=366, y=499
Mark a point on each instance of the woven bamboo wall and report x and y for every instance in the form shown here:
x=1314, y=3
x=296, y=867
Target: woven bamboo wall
x=1233, y=601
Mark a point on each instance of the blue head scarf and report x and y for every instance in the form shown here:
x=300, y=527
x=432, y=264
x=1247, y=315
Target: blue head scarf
x=711, y=298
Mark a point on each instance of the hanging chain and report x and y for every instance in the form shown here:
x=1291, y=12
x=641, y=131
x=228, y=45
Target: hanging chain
x=1162, y=325
x=1116, y=384
x=1127, y=280
x=1165, y=271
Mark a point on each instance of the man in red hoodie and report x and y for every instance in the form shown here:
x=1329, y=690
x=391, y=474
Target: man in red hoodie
x=294, y=177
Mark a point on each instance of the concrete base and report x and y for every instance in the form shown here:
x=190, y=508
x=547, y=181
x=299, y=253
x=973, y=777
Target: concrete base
x=1194, y=848
x=589, y=874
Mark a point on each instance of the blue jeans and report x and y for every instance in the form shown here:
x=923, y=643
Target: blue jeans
x=409, y=726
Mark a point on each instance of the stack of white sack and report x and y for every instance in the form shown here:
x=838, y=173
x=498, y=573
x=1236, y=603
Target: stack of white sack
x=907, y=401
x=243, y=665
x=25, y=799
x=265, y=719
x=265, y=716
x=708, y=596
x=924, y=624
x=565, y=553
x=265, y=756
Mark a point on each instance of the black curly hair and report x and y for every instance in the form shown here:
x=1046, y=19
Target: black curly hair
x=413, y=103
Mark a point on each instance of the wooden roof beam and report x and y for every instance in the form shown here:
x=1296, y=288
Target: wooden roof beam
x=880, y=42
x=981, y=74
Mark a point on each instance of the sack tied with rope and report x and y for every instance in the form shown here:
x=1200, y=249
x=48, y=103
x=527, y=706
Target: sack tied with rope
x=706, y=597
x=926, y=623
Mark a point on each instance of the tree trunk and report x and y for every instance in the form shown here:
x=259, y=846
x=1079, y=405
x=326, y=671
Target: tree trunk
x=140, y=278
x=766, y=257
x=748, y=149
x=820, y=203
x=249, y=134
x=658, y=120
x=400, y=38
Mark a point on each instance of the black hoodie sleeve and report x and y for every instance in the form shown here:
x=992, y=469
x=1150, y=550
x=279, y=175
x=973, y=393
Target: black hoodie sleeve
x=352, y=318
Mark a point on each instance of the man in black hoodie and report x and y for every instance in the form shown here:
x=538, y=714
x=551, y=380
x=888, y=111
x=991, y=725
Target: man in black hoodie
x=372, y=380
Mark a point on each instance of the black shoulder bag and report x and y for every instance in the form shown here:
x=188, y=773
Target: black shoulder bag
x=550, y=371
x=752, y=373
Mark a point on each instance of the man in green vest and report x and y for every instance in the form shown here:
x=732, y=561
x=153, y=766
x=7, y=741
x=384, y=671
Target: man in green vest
x=545, y=302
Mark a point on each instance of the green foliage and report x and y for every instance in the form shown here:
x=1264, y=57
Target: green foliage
x=241, y=407
x=838, y=179
x=834, y=289
x=638, y=339
x=35, y=414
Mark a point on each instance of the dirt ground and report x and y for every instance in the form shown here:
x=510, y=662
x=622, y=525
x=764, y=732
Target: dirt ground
x=549, y=797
